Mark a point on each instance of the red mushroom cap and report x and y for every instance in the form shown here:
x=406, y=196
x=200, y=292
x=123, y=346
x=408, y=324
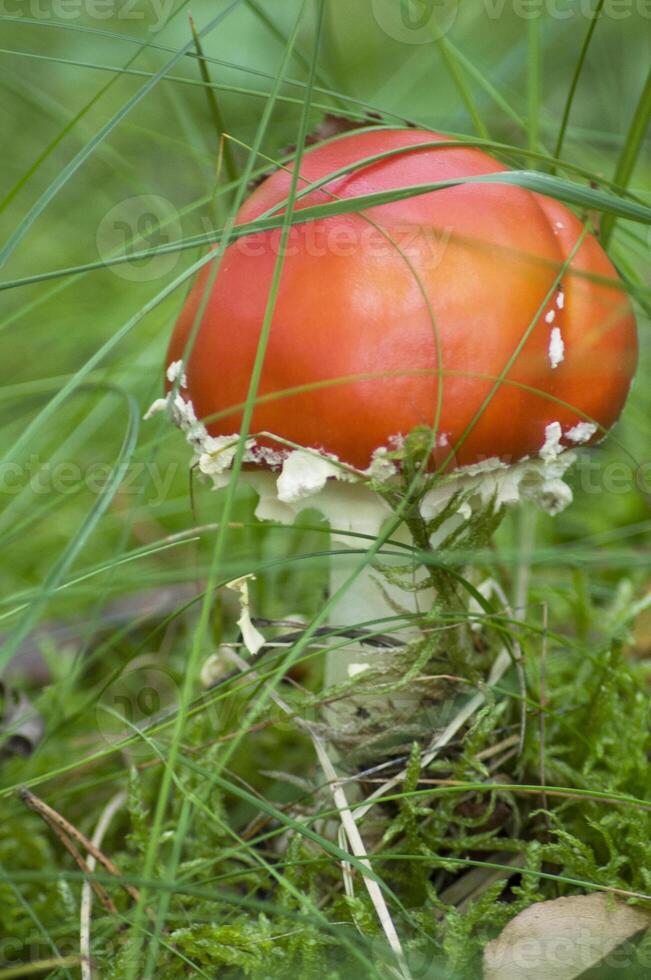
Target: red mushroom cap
x=367, y=300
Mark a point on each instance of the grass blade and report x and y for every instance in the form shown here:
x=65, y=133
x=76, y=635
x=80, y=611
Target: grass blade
x=594, y=18
x=71, y=168
x=630, y=154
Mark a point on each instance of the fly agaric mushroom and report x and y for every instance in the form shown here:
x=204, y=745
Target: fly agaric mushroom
x=482, y=311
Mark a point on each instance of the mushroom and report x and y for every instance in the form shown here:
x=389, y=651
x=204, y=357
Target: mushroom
x=483, y=314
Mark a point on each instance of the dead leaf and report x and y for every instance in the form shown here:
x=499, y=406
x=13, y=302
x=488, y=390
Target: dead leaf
x=21, y=726
x=560, y=939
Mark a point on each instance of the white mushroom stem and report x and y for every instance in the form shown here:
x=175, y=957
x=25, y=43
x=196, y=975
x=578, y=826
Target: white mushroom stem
x=369, y=600
x=356, y=515
x=289, y=481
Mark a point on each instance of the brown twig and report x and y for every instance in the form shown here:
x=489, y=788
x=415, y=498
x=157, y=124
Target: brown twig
x=56, y=823
x=67, y=833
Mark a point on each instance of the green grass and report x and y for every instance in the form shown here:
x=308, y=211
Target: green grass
x=113, y=570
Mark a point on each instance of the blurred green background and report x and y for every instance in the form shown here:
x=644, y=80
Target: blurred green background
x=496, y=71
